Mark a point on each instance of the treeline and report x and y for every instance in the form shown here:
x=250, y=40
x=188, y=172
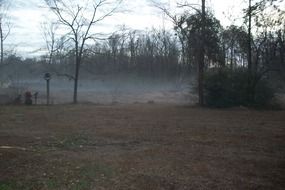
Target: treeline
x=152, y=53
x=158, y=53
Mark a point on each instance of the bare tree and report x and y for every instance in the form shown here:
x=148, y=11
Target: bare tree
x=79, y=18
x=4, y=27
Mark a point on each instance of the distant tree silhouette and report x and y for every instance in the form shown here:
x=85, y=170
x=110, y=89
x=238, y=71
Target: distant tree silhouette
x=49, y=32
x=234, y=41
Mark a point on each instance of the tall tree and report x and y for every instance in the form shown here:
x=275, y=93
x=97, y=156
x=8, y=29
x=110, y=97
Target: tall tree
x=4, y=27
x=263, y=18
x=79, y=18
x=202, y=57
x=249, y=57
x=182, y=34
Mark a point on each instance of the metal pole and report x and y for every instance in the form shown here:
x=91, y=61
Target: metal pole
x=47, y=92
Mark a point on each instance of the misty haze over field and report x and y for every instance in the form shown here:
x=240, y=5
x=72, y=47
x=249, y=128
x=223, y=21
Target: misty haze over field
x=106, y=89
x=111, y=89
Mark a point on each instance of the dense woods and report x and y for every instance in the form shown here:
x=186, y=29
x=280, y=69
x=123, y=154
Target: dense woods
x=254, y=50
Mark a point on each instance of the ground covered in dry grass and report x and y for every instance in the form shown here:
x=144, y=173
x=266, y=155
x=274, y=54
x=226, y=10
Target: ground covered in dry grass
x=140, y=147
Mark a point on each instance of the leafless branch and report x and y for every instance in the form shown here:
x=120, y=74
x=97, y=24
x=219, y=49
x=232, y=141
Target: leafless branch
x=190, y=5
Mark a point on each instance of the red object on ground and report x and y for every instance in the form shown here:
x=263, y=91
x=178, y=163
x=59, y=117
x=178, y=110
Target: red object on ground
x=28, y=98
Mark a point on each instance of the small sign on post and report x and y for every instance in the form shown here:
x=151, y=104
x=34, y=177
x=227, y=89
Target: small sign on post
x=47, y=77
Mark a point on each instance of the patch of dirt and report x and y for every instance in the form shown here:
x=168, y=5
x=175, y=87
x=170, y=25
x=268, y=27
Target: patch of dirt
x=140, y=146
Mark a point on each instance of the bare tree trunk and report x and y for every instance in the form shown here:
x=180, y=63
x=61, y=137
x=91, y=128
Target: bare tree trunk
x=4, y=26
x=232, y=56
x=51, y=52
x=2, y=42
x=76, y=82
x=202, y=58
x=281, y=47
x=250, y=90
x=224, y=56
x=249, y=60
x=76, y=74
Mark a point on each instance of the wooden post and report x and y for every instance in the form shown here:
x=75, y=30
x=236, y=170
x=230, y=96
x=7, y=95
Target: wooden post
x=47, y=77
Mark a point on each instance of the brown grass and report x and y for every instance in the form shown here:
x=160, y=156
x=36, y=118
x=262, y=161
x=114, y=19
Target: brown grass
x=140, y=147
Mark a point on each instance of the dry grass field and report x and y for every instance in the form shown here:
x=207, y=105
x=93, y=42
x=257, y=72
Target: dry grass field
x=140, y=146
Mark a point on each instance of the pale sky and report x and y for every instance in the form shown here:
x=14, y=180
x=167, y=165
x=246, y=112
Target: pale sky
x=27, y=15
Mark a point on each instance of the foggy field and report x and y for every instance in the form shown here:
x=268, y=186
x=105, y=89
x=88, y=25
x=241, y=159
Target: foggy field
x=140, y=146
x=113, y=89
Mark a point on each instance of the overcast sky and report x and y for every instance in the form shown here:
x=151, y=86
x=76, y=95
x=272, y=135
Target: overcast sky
x=27, y=15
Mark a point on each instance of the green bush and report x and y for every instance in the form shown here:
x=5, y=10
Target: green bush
x=225, y=88
x=263, y=94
